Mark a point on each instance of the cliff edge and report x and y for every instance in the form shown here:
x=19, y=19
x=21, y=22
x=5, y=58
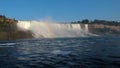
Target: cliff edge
x=9, y=31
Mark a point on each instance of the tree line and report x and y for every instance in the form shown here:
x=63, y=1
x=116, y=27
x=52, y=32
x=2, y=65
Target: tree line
x=7, y=24
x=96, y=21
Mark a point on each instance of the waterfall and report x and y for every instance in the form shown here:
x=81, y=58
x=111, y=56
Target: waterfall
x=42, y=29
x=86, y=27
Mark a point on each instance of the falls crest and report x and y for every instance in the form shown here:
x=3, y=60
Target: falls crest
x=53, y=30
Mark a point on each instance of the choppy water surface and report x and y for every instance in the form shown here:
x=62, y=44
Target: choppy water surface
x=89, y=52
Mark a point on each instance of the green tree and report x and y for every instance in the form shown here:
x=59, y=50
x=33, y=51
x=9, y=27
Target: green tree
x=85, y=21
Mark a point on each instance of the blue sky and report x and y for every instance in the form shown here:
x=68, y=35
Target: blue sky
x=61, y=10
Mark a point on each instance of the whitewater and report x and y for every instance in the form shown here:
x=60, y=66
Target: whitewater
x=43, y=29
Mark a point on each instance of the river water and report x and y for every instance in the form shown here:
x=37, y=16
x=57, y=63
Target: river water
x=81, y=52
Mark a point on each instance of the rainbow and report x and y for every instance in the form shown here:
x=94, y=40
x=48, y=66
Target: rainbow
x=50, y=32
x=42, y=29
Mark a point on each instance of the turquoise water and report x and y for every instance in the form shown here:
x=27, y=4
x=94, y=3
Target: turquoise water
x=87, y=52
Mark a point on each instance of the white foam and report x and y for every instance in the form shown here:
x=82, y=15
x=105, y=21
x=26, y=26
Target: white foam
x=53, y=30
x=60, y=52
x=8, y=44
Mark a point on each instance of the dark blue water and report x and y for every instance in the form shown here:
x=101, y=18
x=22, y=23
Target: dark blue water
x=87, y=52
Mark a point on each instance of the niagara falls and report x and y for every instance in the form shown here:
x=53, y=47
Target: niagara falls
x=59, y=33
x=53, y=30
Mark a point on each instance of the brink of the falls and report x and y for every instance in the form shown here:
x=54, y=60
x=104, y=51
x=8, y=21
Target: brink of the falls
x=54, y=30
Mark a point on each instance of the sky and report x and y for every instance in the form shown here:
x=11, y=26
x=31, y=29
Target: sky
x=61, y=10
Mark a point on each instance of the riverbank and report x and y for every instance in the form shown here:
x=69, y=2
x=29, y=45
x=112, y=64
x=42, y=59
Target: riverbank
x=102, y=30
